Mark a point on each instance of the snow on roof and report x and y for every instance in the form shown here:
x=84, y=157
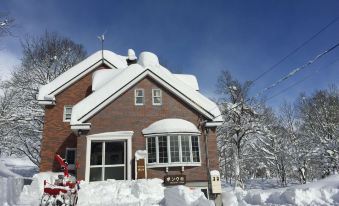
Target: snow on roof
x=148, y=59
x=170, y=126
x=102, y=76
x=129, y=76
x=189, y=79
x=47, y=92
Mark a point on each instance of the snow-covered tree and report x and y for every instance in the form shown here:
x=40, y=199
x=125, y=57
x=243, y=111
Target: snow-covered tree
x=241, y=124
x=44, y=58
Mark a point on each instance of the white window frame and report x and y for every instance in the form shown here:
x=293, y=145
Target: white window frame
x=173, y=164
x=153, y=96
x=71, y=166
x=110, y=136
x=135, y=97
x=65, y=109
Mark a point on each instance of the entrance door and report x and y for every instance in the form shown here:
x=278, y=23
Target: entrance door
x=108, y=160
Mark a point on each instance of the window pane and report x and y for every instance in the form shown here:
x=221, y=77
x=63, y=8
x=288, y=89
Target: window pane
x=116, y=173
x=162, y=149
x=139, y=100
x=68, y=110
x=95, y=174
x=156, y=92
x=70, y=156
x=96, y=153
x=157, y=100
x=114, y=153
x=174, y=143
x=139, y=93
x=195, y=148
x=151, y=150
x=185, y=146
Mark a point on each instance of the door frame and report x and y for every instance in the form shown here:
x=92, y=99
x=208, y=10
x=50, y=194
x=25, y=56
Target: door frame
x=110, y=136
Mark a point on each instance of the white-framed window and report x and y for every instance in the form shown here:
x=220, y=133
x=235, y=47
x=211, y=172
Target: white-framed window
x=156, y=97
x=67, y=113
x=139, y=95
x=70, y=157
x=173, y=150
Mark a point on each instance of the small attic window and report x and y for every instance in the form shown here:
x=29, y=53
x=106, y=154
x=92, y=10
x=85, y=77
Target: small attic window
x=67, y=113
x=139, y=97
x=156, y=97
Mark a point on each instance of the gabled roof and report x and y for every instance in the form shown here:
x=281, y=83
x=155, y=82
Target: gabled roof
x=148, y=65
x=47, y=92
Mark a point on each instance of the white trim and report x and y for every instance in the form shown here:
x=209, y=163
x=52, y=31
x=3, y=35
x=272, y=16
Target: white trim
x=119, y=135
x=64, y=115
x=213, y=124
x=130, y=84
x=135, y=97
x=153, y=96
x=71, y=166
x=84, y=126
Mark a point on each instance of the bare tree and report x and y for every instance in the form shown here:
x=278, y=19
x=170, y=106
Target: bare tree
x=44, y=58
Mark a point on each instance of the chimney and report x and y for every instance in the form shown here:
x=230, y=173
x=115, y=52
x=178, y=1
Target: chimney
x=131, y=58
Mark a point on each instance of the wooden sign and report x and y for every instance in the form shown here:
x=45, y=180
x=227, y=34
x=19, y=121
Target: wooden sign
x=174, y=180
x=141, y=170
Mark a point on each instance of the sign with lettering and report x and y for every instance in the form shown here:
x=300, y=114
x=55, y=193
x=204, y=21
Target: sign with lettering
x=174, y=180
x=141, y=170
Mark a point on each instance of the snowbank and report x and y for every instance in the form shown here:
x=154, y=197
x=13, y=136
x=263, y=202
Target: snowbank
x=184, y=196
x=322, y=192
x=10, y=186
x=117, y=192
x=32, y=193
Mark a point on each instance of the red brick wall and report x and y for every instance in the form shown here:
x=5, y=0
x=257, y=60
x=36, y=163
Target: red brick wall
x=123, y=115
x=57, y=134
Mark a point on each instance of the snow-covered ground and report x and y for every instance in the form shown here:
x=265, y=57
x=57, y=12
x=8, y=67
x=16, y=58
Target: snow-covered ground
x=21, y=166
x=322, y=192
x=109, y=193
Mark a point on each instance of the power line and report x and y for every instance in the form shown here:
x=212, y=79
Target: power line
x=295, y=50
x=296, y=70
x=290, y=74
x=300, y=81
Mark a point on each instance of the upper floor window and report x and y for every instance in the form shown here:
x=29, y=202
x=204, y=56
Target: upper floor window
x=67, y=113
x=139, y=97
x=156, y=97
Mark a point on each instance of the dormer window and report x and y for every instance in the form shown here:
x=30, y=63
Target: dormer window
x=67, y=113
x=156, y=97
x=139, y=97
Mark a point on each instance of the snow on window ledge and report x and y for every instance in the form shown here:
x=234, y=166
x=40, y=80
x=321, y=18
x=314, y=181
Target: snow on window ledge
x=183, y=164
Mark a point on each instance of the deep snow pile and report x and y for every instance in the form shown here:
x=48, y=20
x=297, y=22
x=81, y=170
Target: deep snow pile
x=181, y=195
x=116, y=192
x=322, y=192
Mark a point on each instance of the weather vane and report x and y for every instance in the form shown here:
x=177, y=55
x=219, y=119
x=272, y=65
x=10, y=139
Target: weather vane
x=102, y=39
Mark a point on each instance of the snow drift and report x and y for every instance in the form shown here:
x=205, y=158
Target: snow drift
x=323, y=192
x=144, y=192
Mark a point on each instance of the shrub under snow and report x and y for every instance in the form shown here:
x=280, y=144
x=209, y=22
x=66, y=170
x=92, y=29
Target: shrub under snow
x=323, y=192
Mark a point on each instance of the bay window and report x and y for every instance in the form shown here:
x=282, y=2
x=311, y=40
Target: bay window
x=173, y=150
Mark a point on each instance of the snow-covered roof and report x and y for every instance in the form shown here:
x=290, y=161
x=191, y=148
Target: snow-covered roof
x=170, y=126
x=102, y=76
x=47, y=92
x=189, y=79
x=129, y=76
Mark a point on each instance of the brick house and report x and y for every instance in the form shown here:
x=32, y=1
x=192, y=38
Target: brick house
x=108, y=107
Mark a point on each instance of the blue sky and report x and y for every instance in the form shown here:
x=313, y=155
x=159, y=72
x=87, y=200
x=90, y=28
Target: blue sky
x=197, y=37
